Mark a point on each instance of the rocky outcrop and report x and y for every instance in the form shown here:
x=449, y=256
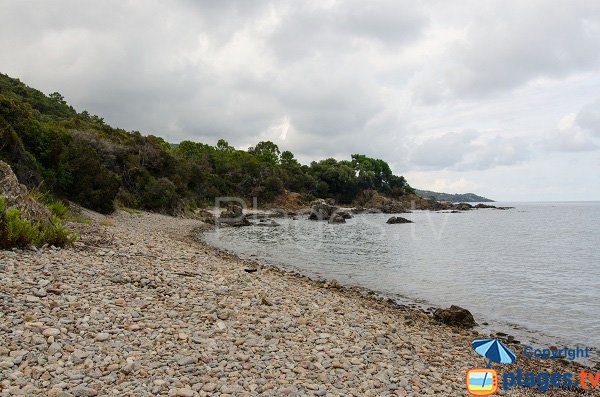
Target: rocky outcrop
x=267, y=223
x=344, y=214
x=205, y=217
x=16, y=196
x=234, y=216
x=371, y=201
x=398, y=219
x=455, y=316
x=337, y=218
x=392, y=207
x=463, y=207
x=322, y=211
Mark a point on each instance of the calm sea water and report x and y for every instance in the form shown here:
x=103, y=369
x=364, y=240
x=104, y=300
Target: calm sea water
x=533, y=271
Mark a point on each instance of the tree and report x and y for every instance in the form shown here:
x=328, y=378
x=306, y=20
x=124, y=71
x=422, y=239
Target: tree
x=223, y=146
x=85, y=180
x=57, y=97
x=287, y=159
x=266, y=151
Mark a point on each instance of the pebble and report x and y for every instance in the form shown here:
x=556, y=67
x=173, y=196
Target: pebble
x=184, y=393
x=83, y=391
x=102, y=336
x=51, y=332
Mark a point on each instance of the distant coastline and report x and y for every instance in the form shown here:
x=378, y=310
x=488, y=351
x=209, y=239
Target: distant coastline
x=454, y=198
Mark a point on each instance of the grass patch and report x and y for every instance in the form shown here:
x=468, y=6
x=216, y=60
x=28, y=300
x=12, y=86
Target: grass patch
x=78, y=218
x=107, y=222
x=130, y=211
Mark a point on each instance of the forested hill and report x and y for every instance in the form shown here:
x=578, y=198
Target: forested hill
x=77, y=156
x=454, y=198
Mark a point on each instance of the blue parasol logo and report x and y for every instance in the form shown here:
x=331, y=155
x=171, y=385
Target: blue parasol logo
x=493, y=350
x=484, y=381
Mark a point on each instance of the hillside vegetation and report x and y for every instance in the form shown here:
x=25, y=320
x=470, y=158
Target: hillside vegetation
x=454, y=198
x=77, y=156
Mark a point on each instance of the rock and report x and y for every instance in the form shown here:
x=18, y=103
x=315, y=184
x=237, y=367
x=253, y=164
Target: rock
x=6, y=364
x=83, y=391
x=267, y=223
x=337, y=218
x=463, y=207
x=233, y=215
x=322, y=212
x=51, y=332
x=224, y=314
x=32, y=299
x=264, y=299
x=209, y=387
x=455, y=316
x=54, y=348
x=392, y=207
x=102, y=336
x=16, y=196
x=205, y=217
x=398, y=219
x=184, y=392
x=40, y=293
x=345, y=214
x=235, y=219
x=187, y=360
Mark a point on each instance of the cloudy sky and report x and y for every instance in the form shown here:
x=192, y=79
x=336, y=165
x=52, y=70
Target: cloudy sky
x=501, y=98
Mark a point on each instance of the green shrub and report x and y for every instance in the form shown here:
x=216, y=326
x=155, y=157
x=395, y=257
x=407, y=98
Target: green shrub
x=19, y=232
x=56, y=234
x=161, y=195
x=16, y=231
x=58, y=209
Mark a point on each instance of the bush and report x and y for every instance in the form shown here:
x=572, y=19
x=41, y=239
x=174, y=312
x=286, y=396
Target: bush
x=85, y=180
x=16, y=231
x=161, y=195
x=56, y=234
x=58, y=209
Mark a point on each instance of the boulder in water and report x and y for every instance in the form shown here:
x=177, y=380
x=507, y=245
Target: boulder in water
x=455, y=316
x=398, y=219
x=337, y=218
x=322, y=212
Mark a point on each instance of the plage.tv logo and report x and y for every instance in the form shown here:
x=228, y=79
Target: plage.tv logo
x=484, y=381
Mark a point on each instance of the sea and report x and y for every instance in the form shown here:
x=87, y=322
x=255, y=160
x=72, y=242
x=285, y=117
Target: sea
x=532, y=271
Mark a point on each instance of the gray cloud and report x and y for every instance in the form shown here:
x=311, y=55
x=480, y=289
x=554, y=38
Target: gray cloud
x=503, y=46
x=387, y=78
x=588, y=118
x=467, y=150
x=576, y=132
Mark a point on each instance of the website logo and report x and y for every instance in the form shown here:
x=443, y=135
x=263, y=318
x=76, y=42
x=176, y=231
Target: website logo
x=484, y=381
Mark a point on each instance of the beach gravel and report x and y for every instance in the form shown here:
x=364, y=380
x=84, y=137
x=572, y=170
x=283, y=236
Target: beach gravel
x=141, y=309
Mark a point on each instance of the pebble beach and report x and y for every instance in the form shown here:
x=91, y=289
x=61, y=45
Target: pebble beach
x=140, y=306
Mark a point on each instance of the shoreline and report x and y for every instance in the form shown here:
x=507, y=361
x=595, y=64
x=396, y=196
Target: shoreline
x=485, y=327
x=142, y=307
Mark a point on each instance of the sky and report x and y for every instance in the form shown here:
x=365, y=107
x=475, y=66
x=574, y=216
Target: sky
x=499, y=98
